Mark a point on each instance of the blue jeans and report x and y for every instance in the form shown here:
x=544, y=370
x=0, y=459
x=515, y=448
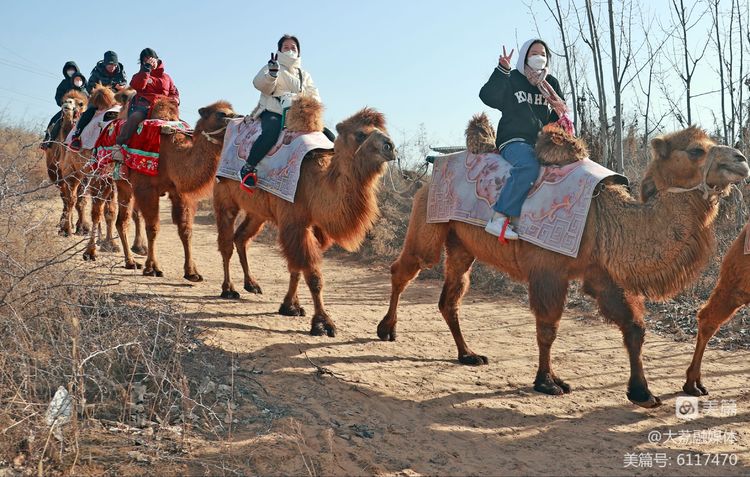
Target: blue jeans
x=523, y=174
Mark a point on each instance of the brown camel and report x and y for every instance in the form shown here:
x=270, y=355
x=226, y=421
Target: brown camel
x=73, y=162
x=73, y=105
x=732, y=292
x=335, y=203
x=103, y=189
x=630, y=250
x=187, y=170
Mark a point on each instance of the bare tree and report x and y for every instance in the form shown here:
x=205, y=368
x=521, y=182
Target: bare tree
x=561, y=21
x=720, y=54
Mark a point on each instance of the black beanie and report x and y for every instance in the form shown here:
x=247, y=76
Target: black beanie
x=146, y=52
x=110, y=58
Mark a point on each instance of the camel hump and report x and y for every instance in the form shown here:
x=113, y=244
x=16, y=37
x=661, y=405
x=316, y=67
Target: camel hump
x=480, y=135
x=124, y=95
x=556, y=147
x=165, y=108
x=305, y=115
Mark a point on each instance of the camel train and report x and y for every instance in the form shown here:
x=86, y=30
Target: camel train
x=631, y=250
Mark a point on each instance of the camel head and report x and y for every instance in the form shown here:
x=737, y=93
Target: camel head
x=480, y=135
x=690, y=159
x=102, y=97
x=73, y=105
x=556, y=147
x=214, y=118
x=363, y=138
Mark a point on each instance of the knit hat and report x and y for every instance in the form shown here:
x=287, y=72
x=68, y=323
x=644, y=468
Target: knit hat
x=110, y=58
x=146, y=52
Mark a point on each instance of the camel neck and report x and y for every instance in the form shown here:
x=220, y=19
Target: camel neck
x=193, y=162
x=657, y=247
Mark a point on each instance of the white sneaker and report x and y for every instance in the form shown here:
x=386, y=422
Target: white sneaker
x=496, y=224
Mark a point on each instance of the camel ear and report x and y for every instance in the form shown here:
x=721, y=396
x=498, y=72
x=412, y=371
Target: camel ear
x=660, y=147
x=203, y=112
x=340, y=128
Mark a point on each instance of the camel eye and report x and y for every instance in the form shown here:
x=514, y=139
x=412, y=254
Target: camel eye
x=696, y=152
x=360, y=137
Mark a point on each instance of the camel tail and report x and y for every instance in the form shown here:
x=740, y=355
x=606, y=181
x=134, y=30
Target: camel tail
x=480, y=135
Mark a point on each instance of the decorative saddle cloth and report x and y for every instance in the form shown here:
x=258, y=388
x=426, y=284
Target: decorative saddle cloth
x=141, y=153
x=465, y=186
x=91, y=132
x=279, y=171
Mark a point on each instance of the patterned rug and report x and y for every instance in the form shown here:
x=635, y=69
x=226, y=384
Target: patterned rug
x=465, y=186
x=94, y=128
x=279, y=171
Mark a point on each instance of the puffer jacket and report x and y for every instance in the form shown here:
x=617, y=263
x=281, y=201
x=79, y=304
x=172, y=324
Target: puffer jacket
x=67, y=83
x=152, y=84
x=291, y=79
x=100, y=75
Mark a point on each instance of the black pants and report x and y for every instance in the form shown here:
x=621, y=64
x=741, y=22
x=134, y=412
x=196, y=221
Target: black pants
x=271, y=128
x=53, y=128
x=85, y=119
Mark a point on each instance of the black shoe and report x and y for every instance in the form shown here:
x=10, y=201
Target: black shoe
x=248, y=178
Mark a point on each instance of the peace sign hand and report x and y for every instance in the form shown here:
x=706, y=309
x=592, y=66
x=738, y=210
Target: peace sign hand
x=504, y=60
x=273, y=65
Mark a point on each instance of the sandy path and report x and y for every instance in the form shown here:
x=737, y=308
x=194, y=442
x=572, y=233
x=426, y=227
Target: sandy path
x=408, y=407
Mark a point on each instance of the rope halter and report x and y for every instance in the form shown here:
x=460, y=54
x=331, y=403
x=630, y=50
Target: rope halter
x=702, y=186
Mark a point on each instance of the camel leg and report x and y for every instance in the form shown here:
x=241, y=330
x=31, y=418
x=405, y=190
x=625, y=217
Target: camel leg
x=110, y=214
x=721, y=306
x=183, y=213
x=302, y=252
x=139, y=244
x=97, y=207
x=245, y=232
x=226, y=214
x=124, y=204
x=82, y=225
x=625, y=310
x=68, y=195
x=290, y=306
x=422, y=248
x=147, y=200
x=458, y=263
x=547, y=293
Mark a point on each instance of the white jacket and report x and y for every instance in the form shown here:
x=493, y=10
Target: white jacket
x=287, y=81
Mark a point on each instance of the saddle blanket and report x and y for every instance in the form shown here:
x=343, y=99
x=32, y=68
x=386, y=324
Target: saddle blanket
x=465, y=186
x=141, y=153
x=91, y=132
x=279, y=171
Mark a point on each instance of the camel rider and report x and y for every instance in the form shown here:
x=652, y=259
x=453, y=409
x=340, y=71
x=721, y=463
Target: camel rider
x=282, y=75
x=108, y=72
x=529, y=98
x=150, y=83
x=72, y=80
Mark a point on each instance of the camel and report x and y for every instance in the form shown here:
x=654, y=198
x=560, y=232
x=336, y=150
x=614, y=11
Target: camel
x=187, y=169
x=102, y=188
x=335, y=203
x=732, y=291
x=629, y=251
x=73, y=105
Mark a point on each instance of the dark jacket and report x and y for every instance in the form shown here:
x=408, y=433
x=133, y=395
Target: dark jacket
x=152, y=84
x=67, y=83
x=99, y=75
x=525, y=110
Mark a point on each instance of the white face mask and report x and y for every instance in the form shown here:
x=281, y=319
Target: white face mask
x=537, y=62
x=70, y=72
x=291, y=54
x=78, y=83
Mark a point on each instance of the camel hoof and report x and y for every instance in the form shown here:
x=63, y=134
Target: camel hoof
x=255, y=288
x=89, y=256
x=133, y=265
x=291, y=310
x=695, y=389
x=386, y=332
x=230, y=295
x=63, y=233
x=139, y=250
x=473, y=360
x=83, y=231
x=109, y=247
x=193, y=277
x=152, y=272
x=552, y=386
x=322, y=327
x=643, y=398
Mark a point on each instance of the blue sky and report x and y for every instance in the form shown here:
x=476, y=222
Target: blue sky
x=416, y=61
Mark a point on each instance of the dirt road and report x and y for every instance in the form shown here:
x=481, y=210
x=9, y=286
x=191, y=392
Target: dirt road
x=408, y=407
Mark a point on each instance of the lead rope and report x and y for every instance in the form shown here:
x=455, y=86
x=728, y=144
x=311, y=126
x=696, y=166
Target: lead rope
x=703, y=186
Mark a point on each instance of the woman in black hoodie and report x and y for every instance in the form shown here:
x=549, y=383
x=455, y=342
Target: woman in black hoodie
x=73, y=80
